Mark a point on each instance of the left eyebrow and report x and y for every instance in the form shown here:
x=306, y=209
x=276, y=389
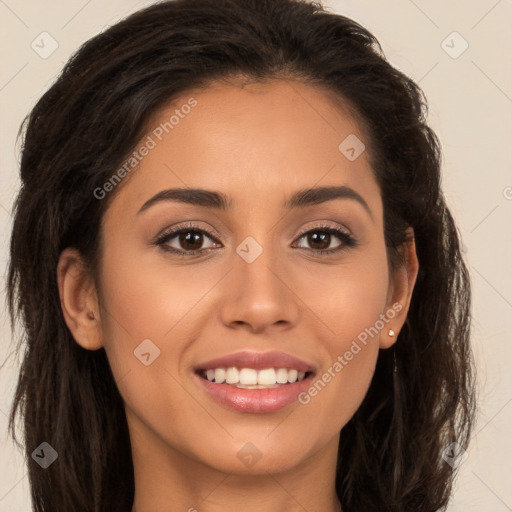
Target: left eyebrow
x=220, y=201
x=310, y=196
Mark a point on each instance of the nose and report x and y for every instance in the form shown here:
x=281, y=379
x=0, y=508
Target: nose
x=259, y=295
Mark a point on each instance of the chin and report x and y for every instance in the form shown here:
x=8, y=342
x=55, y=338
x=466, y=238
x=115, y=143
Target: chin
x=259, y=454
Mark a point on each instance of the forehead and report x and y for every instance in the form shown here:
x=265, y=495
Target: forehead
x=251, y=141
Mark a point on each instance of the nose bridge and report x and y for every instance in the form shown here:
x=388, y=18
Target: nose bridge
x=257, y=293
x=256, y=266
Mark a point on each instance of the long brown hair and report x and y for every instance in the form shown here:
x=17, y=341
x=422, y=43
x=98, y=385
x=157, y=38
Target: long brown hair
x=81, y=131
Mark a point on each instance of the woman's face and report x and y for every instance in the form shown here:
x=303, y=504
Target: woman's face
x=261, y=294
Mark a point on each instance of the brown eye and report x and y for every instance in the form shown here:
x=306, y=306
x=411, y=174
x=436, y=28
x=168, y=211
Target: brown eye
x=186, y=241
x=191, y=240
x=320, y=239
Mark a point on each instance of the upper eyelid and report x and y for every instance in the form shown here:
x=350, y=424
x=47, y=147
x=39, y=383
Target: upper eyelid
x=176, y=230
x=325, y=226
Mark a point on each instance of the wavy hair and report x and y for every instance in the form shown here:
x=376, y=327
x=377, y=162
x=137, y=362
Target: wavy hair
x=91, y=119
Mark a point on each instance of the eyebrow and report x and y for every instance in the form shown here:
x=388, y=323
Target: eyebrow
x=220, y=201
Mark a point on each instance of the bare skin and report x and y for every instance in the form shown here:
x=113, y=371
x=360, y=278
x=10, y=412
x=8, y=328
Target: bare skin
x=258, y=145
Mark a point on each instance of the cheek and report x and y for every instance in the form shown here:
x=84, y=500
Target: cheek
x=347, y=297
x=150, y=299
x=145, y=336
x=151, y=308
x=351, y=303
x=338, y=390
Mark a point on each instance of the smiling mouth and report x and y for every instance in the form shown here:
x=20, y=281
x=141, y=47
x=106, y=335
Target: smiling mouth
x=251, y=378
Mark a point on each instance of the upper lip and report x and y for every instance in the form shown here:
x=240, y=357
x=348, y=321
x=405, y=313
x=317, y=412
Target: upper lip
x=258, y=361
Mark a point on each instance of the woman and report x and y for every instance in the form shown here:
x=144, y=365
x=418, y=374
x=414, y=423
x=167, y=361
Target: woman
x=240, y=283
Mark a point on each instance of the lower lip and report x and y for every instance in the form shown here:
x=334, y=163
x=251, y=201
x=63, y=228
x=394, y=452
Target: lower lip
x=255, y=400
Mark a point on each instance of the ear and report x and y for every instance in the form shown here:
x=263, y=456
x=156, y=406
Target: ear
x=78, y=300
x=400, y=290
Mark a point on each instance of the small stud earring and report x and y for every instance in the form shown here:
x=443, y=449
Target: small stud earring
x=391, y=332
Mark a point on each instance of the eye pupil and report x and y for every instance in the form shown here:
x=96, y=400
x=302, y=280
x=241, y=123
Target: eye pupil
x=189, y=237
x=315, y=237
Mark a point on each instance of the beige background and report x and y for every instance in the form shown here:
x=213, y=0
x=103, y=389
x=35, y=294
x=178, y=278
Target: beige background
x=470, y=100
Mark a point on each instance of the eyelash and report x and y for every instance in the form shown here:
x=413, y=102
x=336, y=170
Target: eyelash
x=348, y=241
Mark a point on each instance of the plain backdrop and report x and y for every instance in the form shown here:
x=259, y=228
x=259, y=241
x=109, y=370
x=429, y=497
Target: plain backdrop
x=459, y=52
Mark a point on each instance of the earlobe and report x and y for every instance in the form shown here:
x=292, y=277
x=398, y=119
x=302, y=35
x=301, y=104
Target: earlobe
x=78, y=300
x=400, y=291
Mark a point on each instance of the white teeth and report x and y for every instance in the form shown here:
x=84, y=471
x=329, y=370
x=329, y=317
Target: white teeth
x=232, y=376
x=248, y=376
x=267, y=376
x=282, y=376
x=292, y=375
x=255, y=379
x=220, y=375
